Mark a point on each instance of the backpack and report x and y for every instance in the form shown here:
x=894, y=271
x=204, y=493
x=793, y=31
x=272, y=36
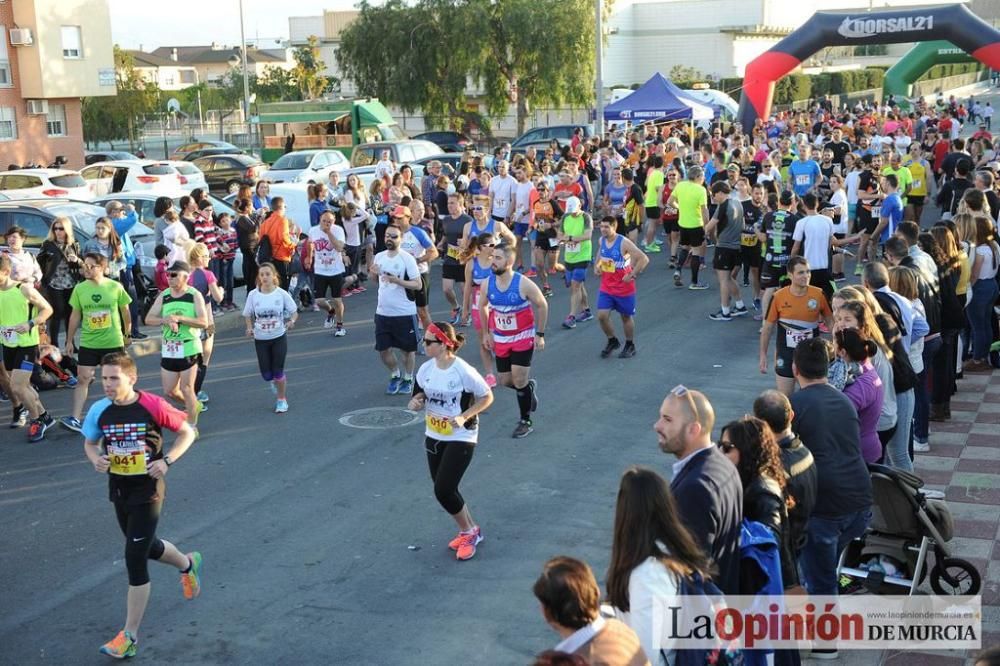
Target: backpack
x=720, y=654
x=264, y=251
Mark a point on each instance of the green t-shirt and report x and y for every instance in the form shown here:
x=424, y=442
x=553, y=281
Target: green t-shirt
x=576, y=251
x=100, y=320
x=186, y=341
x=654, y=181
x=691, y=199
x=903, y=175
x=15, y=309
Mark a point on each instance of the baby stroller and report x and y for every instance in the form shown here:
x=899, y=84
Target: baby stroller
x=905, y=525
x=145, y=289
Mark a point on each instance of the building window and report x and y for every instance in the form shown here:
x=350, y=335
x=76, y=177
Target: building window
x=187, y=76
x=168, y=80
x=6, y=80
x=72, y=45
x=56, y=120
x=8, y=124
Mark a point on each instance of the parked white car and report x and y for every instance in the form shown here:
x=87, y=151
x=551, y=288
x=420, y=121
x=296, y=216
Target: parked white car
x=130, y=176
x=190, y=176
x=31, y=183
x=302, y=166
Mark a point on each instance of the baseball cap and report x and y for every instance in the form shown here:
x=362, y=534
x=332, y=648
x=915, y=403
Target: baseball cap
x=178, y=266
x=400, y=211
x=572, y=205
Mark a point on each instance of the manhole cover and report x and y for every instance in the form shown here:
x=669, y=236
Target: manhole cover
x=377, y=418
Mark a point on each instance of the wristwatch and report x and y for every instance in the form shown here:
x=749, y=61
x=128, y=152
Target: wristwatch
x=168, y=461
x=540, y=334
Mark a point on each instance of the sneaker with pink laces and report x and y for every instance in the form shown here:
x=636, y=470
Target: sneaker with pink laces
x=491, y=380
x=465, y=544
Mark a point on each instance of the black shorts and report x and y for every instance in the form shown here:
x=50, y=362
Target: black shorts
x=522, y=358
x=626, y=229
x=866, y=222
x=652, y=212
x=180, y=364
x=424, y=293
x=772, y=276
x=542, y=239
x=454, y=272
x=13, y=357
x=333, y=283
x=92, y=357
x=396, y=333
x=916, y=199
x=821, y=277
x=692, y=237
x=783, y=360
x=751, y=256
x=726, y=258
x=670, y=225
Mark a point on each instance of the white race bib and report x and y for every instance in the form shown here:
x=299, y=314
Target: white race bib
x=794, y=336
x=9, y=336
x=802, y=179
x=506, y=321
x=172, y=349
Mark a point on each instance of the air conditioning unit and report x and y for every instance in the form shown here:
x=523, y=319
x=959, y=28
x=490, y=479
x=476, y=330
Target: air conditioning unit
x=21, y=37
x=38, y=107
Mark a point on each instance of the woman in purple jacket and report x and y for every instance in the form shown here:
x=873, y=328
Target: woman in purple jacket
x=865, y=392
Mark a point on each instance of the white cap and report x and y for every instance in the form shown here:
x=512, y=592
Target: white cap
x=572, y=205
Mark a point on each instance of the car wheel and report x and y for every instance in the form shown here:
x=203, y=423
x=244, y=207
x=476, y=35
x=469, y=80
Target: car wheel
x=233, y=186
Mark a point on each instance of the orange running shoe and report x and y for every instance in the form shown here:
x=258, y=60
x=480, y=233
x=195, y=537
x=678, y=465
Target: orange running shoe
x=191, y=581
x=467, y=545
x=121, y=646
x=460, y=537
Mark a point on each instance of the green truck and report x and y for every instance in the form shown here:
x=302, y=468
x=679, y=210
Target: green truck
x=340, y=125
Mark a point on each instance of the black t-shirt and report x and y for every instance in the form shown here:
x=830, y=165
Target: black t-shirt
x=840, y=149
x=751, y=170
x=867, y=182
x=247, y=235
x=452, y=228
x=752, y=216
x=827, y=423
x=779, y=227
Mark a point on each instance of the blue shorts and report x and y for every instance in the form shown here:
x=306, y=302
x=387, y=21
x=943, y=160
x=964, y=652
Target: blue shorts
x=521, y=229
x=624, y=305
x=576, y=272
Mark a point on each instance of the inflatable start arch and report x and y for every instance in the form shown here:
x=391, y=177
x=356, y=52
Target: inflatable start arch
x=901, y=76
x=953, y=23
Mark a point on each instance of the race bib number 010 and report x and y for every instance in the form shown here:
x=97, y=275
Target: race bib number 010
x=439, y=425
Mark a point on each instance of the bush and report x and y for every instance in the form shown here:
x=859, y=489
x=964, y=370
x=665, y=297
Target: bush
x=821, y=84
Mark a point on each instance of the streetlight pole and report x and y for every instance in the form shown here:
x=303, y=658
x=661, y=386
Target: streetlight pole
x=599, y=38
x=246, y=75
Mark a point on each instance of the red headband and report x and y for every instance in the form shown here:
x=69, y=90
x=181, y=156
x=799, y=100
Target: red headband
x=439, y=334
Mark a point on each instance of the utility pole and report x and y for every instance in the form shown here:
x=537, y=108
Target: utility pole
x=246, y=77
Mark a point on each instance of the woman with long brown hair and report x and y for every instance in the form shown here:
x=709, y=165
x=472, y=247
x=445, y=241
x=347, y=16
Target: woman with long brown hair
x=940, y=243
x=985, y=263
x=107, y=242
x=651, y=551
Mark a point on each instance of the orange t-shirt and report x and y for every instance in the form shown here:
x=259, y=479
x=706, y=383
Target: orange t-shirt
x=276, y=228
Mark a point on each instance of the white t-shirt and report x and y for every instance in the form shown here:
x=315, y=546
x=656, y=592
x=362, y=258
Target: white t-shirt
x=903, y=144
x=327, y=260
x=522, y=201
x=385, y=169
x=987, y=268
x=449, y=392
x=851, y=182
x=839, y=199
x=392, y=300
x=817, y=231
x=416, y=241
x=502, y=190
x=352, y=227
x=269, y=312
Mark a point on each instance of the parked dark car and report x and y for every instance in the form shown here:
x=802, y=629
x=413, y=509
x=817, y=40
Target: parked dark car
x=35, y=216
x=205, y=152
x=540, y=137
x=225, y=173
x=108, y=156
x=188, y=148
x=450, y=142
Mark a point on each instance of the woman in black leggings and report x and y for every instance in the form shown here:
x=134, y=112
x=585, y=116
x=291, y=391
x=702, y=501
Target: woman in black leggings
x=269, y=313
x=453, y=393
x=59, y=259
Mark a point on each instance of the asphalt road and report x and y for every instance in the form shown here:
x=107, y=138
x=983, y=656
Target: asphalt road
x=306, y=524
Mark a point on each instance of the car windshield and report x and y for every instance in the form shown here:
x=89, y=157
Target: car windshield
x=293, y=161
x=68, y=180
x=84, y=216
x=158, y=169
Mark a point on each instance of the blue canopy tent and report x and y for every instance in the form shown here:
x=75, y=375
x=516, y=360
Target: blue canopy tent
x=657, y=100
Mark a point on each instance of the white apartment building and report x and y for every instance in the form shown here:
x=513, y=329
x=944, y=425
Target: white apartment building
x=327, y=28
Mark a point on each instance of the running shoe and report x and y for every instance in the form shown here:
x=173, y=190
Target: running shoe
x=328, y=323
x=202, y=407
x=553, y=271
x=281, y=407
x=191, y=581
x=121, y=646
x=405, y=387
x=19, y=418
x=202, y=396
x=534, y=394
x=756, y=304
x=586, y=315
x=457, y=541
x=677, y=279
x=393, y=387
x=347, y=292
x=456, y=316
x=4, y=397
x=921, y=447
x=612, y=345
x=628, y=351
x=340, y=332
x=71, y=381
x=139, y=335
x=547, y=291
x=467, y=322
x=522, y=430
x=740, y=312
x=467, y=548
x=72, y=423
x=720, y=316
x=859, y=269
x=672, y=265
x=746, y=283
x=839, y=277
x=697, y=286
x=491, y=380
x=358, y=290
x=651, y=249
x=36, y=431
x=531, y=273
x=569, y=322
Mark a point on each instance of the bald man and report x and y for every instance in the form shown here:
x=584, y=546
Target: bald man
x=705, y=483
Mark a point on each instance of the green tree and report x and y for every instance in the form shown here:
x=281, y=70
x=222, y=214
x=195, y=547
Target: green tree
x=308, y=70
x=118, y=117
x=275, y=84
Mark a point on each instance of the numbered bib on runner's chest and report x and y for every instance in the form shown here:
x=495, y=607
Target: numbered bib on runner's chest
x=794, y=336
x=127, y=458
x=439, y=424
x=9, y=336
x=172, y=349
x=505, y=321
x=99, y=319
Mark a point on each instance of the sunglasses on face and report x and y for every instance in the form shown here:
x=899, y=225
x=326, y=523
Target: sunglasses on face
x=173, y=274
x=488, y=245
x=58, y=229
x=478, y=208
x=431, y=341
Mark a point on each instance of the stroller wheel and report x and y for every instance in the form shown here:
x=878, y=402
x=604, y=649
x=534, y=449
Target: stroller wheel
x=954, y=576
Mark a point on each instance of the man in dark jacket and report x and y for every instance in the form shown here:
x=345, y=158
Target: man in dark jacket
x=705, y=483
x=774, y=409
x=951, y=192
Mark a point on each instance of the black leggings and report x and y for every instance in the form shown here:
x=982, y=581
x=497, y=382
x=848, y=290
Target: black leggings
x=249, y=271
x=271, y=357
x=448, y=462
x=138, y=524
x=59, y=300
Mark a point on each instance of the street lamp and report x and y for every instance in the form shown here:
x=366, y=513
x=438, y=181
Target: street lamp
x=599, y=38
